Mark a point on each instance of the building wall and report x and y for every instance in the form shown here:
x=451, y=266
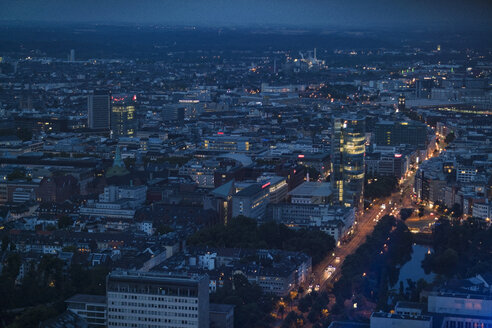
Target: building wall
x=153, y=300
x=377, y=322
x=459, y=305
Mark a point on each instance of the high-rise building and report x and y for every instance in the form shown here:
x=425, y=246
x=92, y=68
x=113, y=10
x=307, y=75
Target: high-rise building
x=72, y=55
x=390, y=133
x=123, y=116
x=348, y=151
x=401, y=103
x=99, y=110
x=155, y=300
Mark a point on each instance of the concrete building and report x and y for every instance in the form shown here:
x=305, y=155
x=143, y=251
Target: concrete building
x=393, y=320
x=389, y=133
x=92, y=308
x=99, y=110
x=463, y=304
x=465, y=174
x=222, y=142
x=334, y=220
x=221, y=315
x=310, y=192
x=251, y=201
x=152, y=300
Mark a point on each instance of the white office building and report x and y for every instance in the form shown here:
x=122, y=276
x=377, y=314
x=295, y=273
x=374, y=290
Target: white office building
x=157, y=300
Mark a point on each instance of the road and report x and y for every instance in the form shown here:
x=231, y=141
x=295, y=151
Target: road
x=364, y=226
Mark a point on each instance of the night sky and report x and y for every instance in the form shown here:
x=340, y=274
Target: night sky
x=416, y=14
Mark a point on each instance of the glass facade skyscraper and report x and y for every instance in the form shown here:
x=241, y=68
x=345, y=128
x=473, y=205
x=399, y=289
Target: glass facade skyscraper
x=347, y=152
x=123, y=116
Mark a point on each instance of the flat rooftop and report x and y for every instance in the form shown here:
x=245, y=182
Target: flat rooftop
x=85, y=298
x=401, y=316
x=312, y=189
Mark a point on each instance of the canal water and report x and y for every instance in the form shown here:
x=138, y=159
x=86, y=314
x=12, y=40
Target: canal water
x=413, y=269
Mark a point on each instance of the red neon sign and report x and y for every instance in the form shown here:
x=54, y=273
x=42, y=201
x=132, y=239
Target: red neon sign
x=300, y=156
x=265, y=185
x=220, y=133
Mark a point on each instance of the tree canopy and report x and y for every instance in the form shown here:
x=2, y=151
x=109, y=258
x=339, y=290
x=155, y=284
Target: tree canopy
x=243, y=232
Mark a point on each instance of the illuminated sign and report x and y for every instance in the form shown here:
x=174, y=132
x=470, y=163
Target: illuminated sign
x=265, y=185
x=397, y=155
x=300, y=156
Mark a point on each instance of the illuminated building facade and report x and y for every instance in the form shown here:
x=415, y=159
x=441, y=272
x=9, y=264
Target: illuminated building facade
x=123, y=116
x=99, y=110
x=227, y=143
x=348, y=151
x=401, y=103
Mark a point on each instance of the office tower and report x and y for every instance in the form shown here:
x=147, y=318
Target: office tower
x=123, y=116
x=401, y=103
x=99, y=110
x=389, y=133
x=155, y=300
x=348, y=151
x=72, y=55
x=423, y=87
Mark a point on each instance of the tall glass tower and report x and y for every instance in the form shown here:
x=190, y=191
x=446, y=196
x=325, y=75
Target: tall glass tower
x=347, y=153
x=123, y=116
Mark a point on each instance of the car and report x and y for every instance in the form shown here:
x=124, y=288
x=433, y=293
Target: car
x=337, y=259
x=317, y=287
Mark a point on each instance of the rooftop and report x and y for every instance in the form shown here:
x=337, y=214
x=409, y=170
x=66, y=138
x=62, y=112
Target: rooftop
x=221, y=308
x=85, y=298
x=309, y=188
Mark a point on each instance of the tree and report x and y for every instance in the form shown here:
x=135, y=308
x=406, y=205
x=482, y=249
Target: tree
x=456, y=211
x=443, y=263
x=449, y=138
x=163, y=229
x=17, y=174
x=405, y=213
x=243, y=232
x=33, y=316
x=64, y=222
x=5, y=243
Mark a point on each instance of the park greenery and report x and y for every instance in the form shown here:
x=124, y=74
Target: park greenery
x=449, y=138
x=45, y=286
x=461, y=249
x=374, y=266
x=243, y=232
x=24, y=134
x=252, y=306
